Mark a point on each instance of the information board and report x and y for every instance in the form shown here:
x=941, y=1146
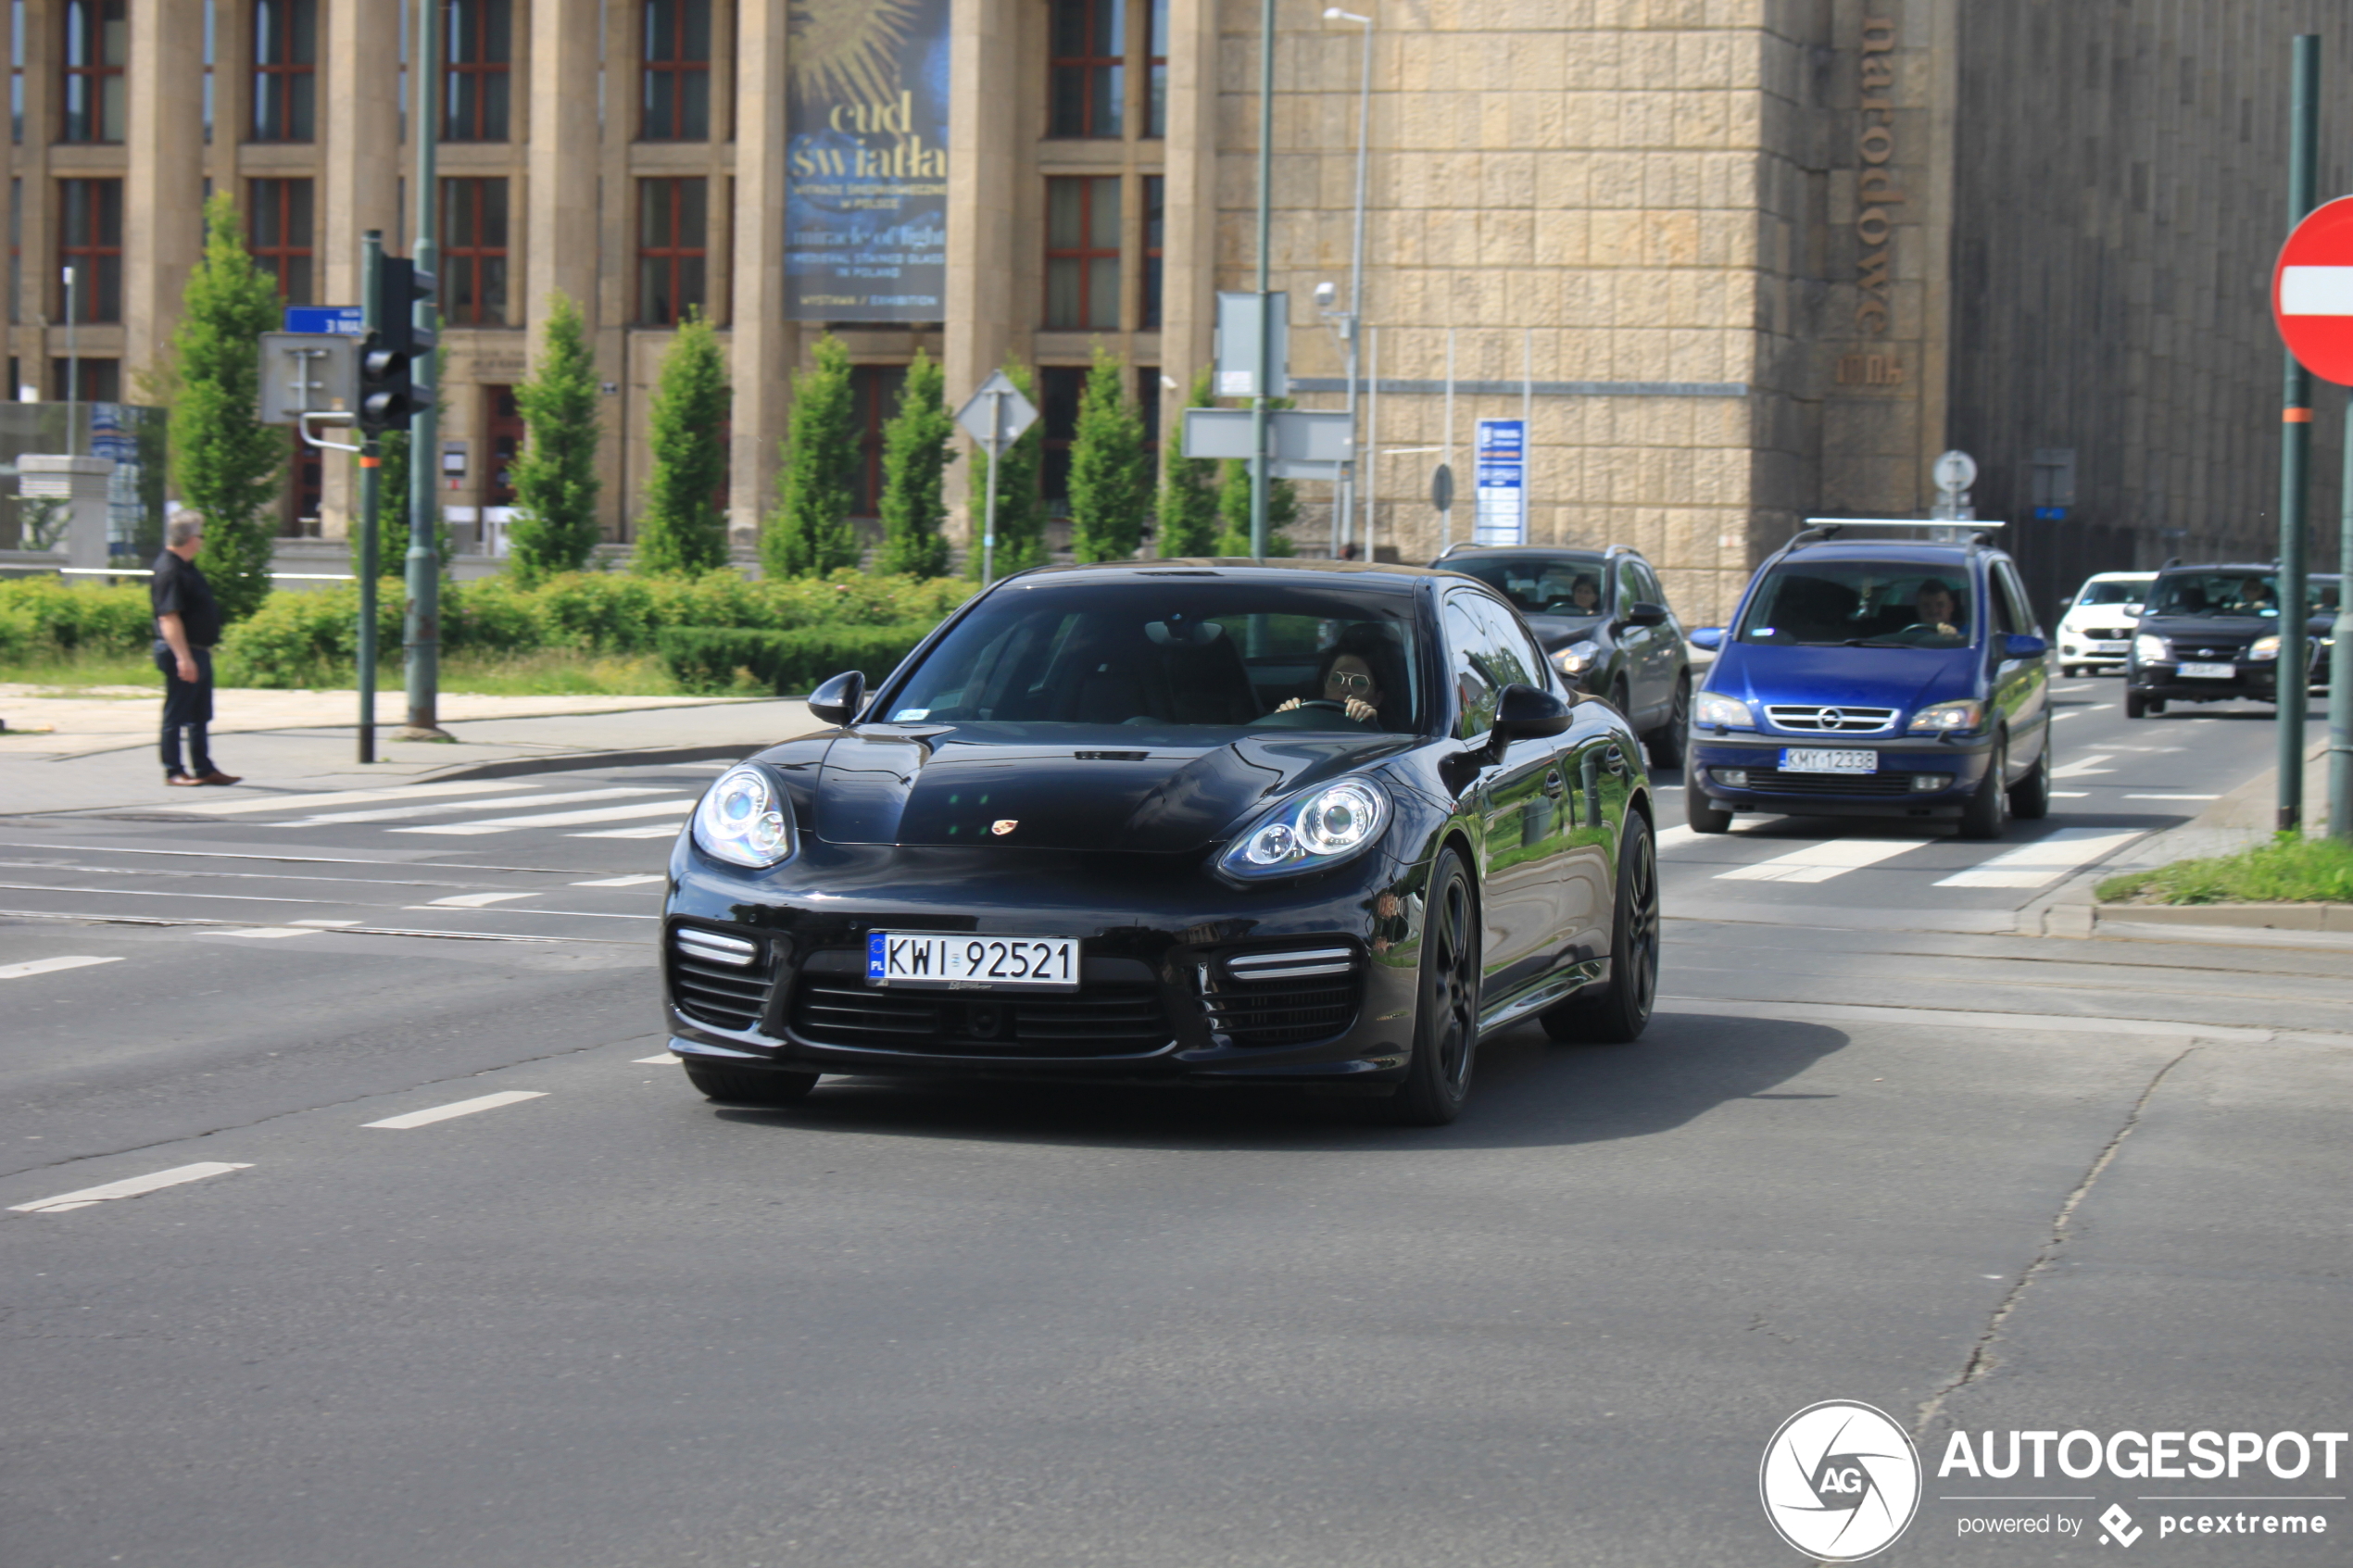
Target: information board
x=866, y=161
x=1499, y=514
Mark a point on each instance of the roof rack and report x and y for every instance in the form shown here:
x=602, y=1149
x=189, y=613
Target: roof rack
x=1817, y=529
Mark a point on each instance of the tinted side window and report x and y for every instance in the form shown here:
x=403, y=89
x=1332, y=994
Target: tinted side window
x=2014, y=594
x=1630, y=585
x=1479, y=662
x=1651, y=590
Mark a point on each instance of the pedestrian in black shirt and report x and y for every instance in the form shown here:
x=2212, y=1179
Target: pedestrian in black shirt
x=187, y=624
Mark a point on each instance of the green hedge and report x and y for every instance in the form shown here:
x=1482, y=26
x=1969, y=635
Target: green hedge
x=52, y=617
x=788, y=663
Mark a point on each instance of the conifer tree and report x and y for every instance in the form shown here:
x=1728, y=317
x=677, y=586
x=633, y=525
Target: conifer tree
x=1188, y=488
x=227, y=462
x=915, y=458
x=1021, y=515
x=1111, y=474
x=808, y=535
x=555, y=475
x=683, y=529
x=1233, y=511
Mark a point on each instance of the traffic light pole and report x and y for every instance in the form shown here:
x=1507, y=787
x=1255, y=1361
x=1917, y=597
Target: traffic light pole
x=2291, y=672
x=421, y=632
x=372, y=255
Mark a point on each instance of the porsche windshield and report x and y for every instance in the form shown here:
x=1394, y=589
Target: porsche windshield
x=1175, y=654
x=1862, y=604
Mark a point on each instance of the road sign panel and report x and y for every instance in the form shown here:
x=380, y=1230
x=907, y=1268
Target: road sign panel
x=996, y=414
x=2312, y=292
x=342, y=320
x=1499, y=504
x=1302, y=443
x=1441, y=488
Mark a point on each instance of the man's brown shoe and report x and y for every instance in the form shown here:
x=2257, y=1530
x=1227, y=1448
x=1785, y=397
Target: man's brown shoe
x=216, y=776
x=183, y=780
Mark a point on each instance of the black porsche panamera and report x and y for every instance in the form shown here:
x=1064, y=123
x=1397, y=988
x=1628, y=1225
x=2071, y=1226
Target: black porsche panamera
x=1205, y=821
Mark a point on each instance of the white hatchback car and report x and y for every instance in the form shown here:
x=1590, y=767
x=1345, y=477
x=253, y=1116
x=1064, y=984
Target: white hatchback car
x=2096, y=632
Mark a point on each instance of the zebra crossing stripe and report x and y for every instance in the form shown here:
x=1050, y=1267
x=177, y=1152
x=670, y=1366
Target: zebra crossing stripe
x=1820, y=862
x=244, y=805
x=2046, y=859
x=678, y=806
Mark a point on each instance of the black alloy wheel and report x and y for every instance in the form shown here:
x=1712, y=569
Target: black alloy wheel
x=2030, y=797
x=1617, y=1013
x=1670, y=741
x=738, y=1086
x=1984, y=816
x=1446, y=1021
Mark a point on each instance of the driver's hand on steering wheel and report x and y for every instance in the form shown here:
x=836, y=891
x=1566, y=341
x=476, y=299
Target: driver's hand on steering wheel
x=1356, y=707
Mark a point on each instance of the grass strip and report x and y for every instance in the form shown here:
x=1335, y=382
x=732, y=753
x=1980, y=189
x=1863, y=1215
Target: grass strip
x=2289, y=869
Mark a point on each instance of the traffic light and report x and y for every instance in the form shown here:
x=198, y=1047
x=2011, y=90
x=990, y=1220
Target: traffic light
x=395, y=367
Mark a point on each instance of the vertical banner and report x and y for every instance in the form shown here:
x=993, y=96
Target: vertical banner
x=1499, y=514
x=866, y=192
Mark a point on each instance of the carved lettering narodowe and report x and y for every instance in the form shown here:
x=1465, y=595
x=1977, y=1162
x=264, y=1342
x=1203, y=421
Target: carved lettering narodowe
x=1876, y=191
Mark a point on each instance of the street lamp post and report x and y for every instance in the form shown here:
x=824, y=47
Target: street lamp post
x=1352, y=322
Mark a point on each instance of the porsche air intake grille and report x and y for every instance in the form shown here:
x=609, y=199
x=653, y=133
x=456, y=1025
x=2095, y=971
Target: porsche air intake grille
x=1283, y=997
x=717, y=979
x=1099, y=1019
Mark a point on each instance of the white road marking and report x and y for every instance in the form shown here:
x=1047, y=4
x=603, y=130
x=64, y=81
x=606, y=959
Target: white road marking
x=266, y=932
x=473, y=900
x=326, y=925
x=390, y=813
x=650, y=1060
x=2081, y=686
x=2083, y=765
x=135, y=1186
x=2046, y=859
x=48, y=966
x=459, y=1107
x=675, y=807
x=662, y=830
x=2071, y=713
x=2172, y=797
x=2070, y=795
x=338, y=798
x=1819, y=862
x=636, y=879
x=1676, y=837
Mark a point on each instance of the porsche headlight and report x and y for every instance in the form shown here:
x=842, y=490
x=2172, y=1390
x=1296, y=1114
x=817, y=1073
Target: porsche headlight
x=745, y=820
x=2264, y=647
x=1320, y=827
x=2149, y=648
x=1722, y=712
x=1947, y=718
x=1578, y=658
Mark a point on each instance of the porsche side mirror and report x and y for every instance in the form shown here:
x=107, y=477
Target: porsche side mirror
x=1641, y=612
x=1526, y=713
x=837, y=700
x=1707, y=638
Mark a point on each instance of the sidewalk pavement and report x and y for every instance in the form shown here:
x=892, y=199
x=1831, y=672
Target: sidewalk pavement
x=101, y=752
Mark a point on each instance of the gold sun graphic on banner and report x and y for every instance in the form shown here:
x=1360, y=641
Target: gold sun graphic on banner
x=849, y=50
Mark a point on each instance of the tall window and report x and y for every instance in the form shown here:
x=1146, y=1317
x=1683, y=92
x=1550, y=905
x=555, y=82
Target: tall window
x=15, y=88
x=677, y=71
x=285, y=53
x=1082, y=251
x=673, y=242
x=477, y=50
x=1155, y=233
x=97, y=45
x=15, y=257
x=90, y=241
x=502, y=435
x=281, y=234
x=1156, y=69
x=1058, y=390
x=89, y=380
x=1089, y=68
x=474, y=253
x=874, y=390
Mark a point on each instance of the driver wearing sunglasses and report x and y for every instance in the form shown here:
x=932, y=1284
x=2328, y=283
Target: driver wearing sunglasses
x=1348, y=682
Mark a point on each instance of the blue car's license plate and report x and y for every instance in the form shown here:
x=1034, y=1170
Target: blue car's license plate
x=1813, y=759
x=966, y=962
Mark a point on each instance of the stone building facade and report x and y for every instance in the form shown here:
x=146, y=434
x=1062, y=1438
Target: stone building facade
x=1742, y=261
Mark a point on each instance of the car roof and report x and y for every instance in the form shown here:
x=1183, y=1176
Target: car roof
x=2113, y=576
x=1920, y=550
x=2251, y=568
x=1547, y=552
x=1353, y=574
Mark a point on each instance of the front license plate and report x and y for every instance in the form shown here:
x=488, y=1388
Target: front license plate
x=2209, y=671
x=966, y=962
x=1806, y=759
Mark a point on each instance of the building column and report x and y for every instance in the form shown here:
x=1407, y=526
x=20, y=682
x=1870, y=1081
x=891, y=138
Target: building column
x=164, y=179
x=360, y=169
x=1189, y=280
x=560, y=229
x=763, y=346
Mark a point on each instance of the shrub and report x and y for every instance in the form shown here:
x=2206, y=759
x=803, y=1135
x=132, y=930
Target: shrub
x=67, y=618
x=707, y=660
x=808, y=535
x=16, y=637
x=226, y=462
x=1111, y=474
x=915, y=459
x=490, y=616
x=683, y=529
x=309, y=640
x=596, y=612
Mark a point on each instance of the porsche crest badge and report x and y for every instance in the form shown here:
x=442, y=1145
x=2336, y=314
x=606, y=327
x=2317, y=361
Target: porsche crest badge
x=1003, y=826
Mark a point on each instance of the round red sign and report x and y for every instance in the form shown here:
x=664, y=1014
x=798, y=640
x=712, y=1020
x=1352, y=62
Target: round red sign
x=2312, y=292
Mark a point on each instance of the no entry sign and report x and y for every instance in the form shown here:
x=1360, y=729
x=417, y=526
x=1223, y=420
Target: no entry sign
x=2312, y=292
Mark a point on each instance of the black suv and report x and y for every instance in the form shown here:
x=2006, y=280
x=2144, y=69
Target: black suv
x=2211, y=633
x=1604, y=622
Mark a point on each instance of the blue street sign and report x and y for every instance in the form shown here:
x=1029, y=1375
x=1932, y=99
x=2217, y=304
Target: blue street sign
x=342, y=318
x=2050, y=514
x=1498, y=512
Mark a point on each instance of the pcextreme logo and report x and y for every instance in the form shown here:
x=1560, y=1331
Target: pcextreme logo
x=1840, y=1480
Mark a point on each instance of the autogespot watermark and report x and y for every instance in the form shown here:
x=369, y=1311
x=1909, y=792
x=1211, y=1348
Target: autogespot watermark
x=1841, y=1482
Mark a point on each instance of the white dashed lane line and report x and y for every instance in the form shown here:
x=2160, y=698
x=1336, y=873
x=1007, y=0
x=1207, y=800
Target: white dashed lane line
x=135, y=1186
x=2083, y=765
x=474, y=900
x=651, y=1060
x=637, y=879
x=48, y=966
x=461, y=1108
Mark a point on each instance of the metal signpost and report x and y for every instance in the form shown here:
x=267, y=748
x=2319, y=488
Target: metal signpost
x=422, y=632
x=1441, y=497
x=1499, y=500
x=2312, y=303
x=995, y=417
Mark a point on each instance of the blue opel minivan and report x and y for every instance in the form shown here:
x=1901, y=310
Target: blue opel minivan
x=1882, y=677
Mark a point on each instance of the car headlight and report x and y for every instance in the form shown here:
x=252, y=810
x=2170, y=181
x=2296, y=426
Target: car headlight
x=1947, y=719
x=1578, y=658
x=1318, y=828
x=745, y=820
x=2149, y=648
x=1723, y=712
x=2264, y=647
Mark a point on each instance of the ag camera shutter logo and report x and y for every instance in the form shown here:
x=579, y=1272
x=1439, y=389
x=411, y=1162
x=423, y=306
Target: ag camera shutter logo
x=1840, y=1480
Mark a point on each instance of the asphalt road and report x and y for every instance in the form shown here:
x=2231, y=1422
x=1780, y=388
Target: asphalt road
x=1874, y=1146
